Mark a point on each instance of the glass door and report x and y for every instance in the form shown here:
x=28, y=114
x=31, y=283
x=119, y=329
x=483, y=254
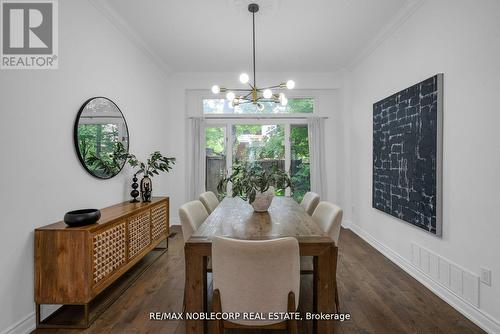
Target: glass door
x=299, y=168
x=215, y=159
x=281, y=143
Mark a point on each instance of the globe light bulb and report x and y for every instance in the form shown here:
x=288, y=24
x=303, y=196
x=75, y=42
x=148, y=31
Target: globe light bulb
x=267, y=93
x=215, y=89
x=230, y=96
x=283, y=100
x=290, y=84
x=244, y=78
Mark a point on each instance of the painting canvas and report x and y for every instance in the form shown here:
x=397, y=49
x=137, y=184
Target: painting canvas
x=407, y=154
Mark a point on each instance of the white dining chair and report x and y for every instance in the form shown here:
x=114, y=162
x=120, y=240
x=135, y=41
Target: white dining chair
x=192, y=215
x=309, y=202
x=329, y=217
x=209, y=200
x=258, y=277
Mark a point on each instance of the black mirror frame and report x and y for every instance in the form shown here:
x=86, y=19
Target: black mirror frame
x=75, y=137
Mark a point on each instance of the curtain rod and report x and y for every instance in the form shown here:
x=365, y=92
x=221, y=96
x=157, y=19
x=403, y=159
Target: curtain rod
x=258, y=117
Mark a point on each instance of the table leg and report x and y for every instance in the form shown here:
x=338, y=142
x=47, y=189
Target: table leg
x=205, y=292
x=334, y=276
x=194, y=288
x=325, y=288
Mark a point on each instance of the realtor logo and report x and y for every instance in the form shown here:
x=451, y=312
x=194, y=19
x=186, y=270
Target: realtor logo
x=29, y=34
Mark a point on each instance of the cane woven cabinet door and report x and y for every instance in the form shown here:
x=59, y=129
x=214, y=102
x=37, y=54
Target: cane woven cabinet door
x=159, y=221
x=109, y=251
x=139, y=233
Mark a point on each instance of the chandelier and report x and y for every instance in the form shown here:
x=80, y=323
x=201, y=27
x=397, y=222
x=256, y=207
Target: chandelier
x=254, y=94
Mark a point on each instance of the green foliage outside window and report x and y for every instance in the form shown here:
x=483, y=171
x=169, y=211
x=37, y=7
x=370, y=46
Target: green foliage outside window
x=214, y=140
x=300, y=170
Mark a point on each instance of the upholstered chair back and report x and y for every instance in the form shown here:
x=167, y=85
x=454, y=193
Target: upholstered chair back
x=329, y=217
x=256, y=276
x=192, y=215
x=209, y=200
x=309, y=202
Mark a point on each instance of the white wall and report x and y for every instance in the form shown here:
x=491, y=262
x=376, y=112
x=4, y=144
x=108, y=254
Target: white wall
x=324, y=86
x=460, y=39
x=41, y=177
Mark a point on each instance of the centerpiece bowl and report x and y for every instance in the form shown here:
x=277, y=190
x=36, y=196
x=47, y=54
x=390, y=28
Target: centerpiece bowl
x=82, y=217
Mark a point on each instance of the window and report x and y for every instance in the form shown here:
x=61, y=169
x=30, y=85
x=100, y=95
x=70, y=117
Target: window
x=215, y=141
x=267, y=140
x=263, y=144
x=294, y=106
x=299, y=169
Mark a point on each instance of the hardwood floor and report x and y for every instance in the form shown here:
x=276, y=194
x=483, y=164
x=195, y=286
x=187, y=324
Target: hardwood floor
x=380, y=297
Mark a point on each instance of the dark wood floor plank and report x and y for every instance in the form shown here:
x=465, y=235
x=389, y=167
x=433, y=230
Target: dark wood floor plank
x=380, y=297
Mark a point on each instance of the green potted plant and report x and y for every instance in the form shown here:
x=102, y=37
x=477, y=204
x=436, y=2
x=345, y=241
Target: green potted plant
x=255, y=184
x=155, y=164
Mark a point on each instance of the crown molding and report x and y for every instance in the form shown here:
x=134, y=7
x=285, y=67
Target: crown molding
x=131, y=34
x=387, y=31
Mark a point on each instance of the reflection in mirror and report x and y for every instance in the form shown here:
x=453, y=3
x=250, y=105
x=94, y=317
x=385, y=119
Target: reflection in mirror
x=101, y=137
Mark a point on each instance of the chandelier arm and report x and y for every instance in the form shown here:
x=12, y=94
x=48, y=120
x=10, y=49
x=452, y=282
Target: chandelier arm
x=239, y=89
x=277, y=86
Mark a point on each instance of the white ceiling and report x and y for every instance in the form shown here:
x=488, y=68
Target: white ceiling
x=292, y=35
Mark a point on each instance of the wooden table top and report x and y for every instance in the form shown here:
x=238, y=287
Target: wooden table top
x=236, y=218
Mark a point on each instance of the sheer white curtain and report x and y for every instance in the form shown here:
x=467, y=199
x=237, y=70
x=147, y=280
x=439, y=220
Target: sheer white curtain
x=197, y=174
x=316, y=130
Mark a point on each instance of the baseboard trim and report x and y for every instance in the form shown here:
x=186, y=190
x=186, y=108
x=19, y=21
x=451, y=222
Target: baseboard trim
x=474, y=314
x=27, y=325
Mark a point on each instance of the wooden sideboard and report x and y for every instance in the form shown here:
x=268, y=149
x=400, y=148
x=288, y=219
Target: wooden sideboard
x=74, y=265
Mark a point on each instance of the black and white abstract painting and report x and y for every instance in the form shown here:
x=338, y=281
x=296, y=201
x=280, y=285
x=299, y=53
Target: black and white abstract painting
x=407, y=154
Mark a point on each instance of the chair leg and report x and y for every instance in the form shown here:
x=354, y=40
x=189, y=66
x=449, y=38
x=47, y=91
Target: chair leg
x=292, y=324
x=218, y=325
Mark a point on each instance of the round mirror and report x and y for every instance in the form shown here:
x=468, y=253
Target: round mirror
x=101, y=137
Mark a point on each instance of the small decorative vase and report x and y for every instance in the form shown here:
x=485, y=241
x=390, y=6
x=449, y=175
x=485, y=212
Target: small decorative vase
x=263, y=200
x=146, y=189
x=134, y=193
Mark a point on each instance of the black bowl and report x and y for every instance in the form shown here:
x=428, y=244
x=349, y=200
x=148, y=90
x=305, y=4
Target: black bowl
x=82, y=217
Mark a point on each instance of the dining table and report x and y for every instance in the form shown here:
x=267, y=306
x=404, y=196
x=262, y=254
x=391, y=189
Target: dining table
x=236, y=218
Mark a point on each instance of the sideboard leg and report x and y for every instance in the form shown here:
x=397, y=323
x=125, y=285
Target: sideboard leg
x=37, y=312
x=158, y=247
x=86, y=310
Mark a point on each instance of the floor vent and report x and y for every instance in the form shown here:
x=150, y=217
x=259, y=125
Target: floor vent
x=456, y=279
